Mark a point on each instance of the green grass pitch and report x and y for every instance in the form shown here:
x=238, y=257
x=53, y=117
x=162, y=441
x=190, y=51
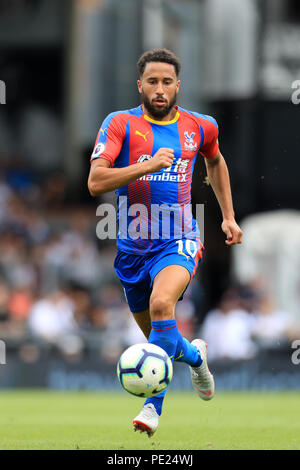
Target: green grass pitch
x=91, y=420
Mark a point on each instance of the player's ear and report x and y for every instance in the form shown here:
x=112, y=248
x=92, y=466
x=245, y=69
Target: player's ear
x=139, y=84
x=178, y=85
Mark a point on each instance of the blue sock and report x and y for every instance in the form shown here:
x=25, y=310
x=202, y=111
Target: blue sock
x=187, y=352
x=157, y=401
x=164, y=333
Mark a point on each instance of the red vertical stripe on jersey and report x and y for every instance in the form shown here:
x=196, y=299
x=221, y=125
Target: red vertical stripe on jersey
x=141, y=143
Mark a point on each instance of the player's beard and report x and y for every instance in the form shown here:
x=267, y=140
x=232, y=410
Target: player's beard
x=156, y=112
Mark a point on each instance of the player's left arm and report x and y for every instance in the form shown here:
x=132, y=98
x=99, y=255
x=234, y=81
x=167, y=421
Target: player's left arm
x=218, y=177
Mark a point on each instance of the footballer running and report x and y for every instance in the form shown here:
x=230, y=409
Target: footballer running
x=147, y=155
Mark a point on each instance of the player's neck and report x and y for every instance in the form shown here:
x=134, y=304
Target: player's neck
x=169, y=117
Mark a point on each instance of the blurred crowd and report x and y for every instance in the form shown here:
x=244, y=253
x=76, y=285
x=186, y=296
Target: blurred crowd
x=246, y=320
x=57, y=283
x=59, y=291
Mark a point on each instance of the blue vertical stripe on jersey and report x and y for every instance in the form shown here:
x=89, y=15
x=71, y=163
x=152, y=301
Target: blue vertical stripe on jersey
x=202, y=137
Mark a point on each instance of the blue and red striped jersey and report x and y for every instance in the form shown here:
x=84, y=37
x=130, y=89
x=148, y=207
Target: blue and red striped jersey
x=128, y=137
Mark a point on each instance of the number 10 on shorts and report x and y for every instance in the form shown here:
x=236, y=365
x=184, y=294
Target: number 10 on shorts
x=187, y=246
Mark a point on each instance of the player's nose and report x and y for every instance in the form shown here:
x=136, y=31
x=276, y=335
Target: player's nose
x=160, y=90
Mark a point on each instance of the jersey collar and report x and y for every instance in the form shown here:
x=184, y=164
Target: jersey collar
x=162, y=123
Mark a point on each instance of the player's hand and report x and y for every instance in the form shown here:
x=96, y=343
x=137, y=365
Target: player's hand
x=162, y=159
x=232, y=231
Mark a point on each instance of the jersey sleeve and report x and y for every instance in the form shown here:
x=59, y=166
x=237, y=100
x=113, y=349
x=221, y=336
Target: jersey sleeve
x=110, y=138
x=210, y=146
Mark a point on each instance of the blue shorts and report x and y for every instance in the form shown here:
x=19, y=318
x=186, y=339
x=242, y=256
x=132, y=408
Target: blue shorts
x=137, y=272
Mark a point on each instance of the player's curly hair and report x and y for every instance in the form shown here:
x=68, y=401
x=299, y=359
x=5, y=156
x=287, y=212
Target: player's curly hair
x=158, y=55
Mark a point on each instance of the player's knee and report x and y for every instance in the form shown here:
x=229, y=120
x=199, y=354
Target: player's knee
x=161, y=308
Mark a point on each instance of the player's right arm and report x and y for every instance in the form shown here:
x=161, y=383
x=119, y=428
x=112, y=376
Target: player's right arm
x=103, y=178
